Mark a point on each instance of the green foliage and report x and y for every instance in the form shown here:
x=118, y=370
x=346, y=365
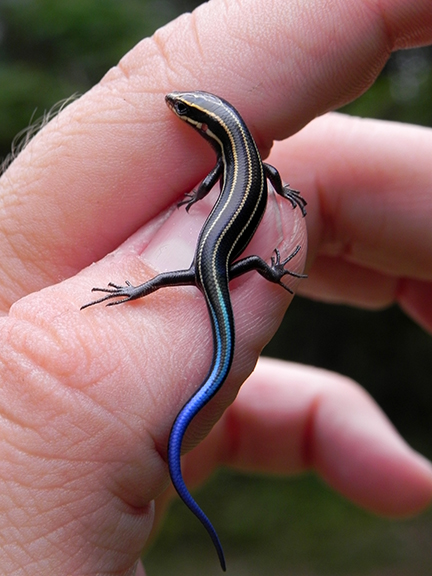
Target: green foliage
x=78, y=39
x=402, y=92
x=51, y=49
x=280, y=526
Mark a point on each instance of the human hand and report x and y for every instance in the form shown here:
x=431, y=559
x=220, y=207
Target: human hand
x=88, y=398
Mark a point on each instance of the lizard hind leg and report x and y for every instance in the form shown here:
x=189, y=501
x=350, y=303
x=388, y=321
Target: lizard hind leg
x=118, y=294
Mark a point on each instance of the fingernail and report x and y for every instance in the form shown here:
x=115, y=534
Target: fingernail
x=170, y=244
x=172, y=247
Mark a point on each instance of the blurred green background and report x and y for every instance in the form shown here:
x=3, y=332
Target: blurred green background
x=51, y=49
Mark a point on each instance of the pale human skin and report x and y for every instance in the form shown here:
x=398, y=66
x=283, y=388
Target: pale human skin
x=88, y=398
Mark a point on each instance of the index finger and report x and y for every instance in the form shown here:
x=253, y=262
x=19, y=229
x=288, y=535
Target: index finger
x=290, y=418
x=114, y=159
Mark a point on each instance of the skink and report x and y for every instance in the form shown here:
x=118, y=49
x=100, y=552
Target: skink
x=227, y=231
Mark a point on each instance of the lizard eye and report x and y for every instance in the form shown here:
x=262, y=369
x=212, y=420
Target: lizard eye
x=180, y=108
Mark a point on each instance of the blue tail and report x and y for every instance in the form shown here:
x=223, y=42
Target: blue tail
x=174, y=450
